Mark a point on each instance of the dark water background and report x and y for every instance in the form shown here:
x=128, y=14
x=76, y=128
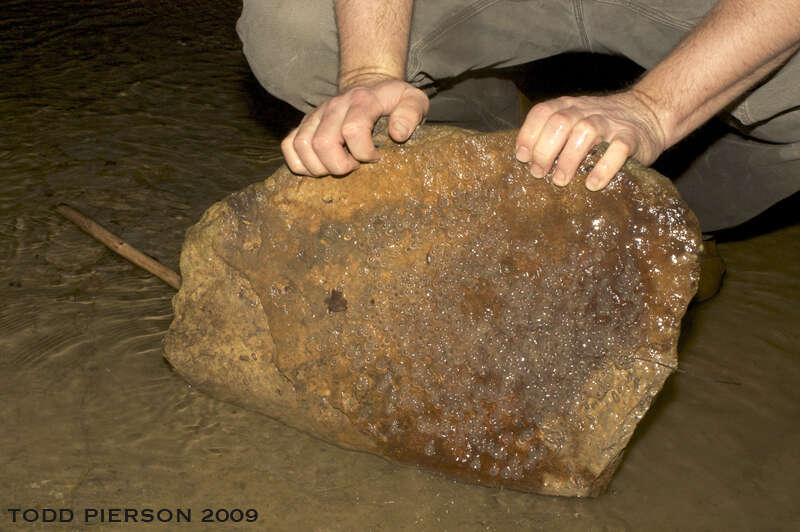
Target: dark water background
x=144, y=113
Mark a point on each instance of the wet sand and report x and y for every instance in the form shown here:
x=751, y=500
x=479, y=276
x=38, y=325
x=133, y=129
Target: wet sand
x=143, y=114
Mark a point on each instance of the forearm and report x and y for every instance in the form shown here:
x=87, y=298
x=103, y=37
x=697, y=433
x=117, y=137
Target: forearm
x=736, y=45
x=373, y=40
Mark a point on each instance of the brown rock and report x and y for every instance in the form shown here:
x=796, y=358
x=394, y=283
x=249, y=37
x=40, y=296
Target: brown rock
x=443, y=308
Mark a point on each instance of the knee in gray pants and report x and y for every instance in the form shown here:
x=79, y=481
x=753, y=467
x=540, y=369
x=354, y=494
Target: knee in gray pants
x=292, y=48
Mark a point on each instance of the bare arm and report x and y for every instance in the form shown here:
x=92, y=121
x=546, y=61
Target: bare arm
x=373, y=44
x=373, y=40
x=737, y=44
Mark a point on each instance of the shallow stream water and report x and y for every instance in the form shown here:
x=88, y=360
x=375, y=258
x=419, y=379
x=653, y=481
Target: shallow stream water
x=142, y=114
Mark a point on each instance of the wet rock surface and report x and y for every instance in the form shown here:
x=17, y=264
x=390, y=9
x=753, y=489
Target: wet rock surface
x=443, y=308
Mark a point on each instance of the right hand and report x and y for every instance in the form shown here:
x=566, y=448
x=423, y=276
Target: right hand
x=336, y=137
x=568, y=127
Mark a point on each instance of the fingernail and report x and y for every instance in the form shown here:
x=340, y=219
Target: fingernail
x=537, y=171
x=560, y=178
x=523, y=154
x=593, y=183
x=401, y=129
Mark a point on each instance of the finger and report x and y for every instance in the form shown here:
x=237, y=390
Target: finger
x=328, y=140
x=408, y=113
x=302, y=144
x=581, y=140
x=529, y=132
x=290, y=155
x=551, y=141
x=609, y=164
x=358, y=123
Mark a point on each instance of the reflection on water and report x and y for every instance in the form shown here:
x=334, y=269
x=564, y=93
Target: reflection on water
x=142, y=114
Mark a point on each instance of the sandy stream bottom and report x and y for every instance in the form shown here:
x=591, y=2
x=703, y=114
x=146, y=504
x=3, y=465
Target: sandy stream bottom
x=142, y=114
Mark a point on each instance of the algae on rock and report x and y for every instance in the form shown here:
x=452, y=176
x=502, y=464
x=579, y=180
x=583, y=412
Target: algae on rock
x=443, y=308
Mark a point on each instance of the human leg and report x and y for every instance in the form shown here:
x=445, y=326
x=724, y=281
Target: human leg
x=292, y=48
x=738, y=177
x=293, y=52
x=457, y=48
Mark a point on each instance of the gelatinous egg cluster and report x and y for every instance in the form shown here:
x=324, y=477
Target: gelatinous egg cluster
x=465, y=315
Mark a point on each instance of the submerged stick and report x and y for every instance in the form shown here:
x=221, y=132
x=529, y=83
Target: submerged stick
x=119, y=246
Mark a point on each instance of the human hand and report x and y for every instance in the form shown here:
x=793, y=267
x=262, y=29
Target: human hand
x=336, y=137
x=568, y=128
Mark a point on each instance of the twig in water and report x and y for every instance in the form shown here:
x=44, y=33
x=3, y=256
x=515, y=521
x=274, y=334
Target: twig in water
x=119, y=246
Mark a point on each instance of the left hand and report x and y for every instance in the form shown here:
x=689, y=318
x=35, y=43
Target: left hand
x=568, y=128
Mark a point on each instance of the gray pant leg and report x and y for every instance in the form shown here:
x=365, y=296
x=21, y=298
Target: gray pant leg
x=738, y=178
x=292, y=49
x=454, y=44
x=744, y=173
x=482, y=104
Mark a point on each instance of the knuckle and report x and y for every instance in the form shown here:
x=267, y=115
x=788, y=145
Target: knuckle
x=413, y=105
x=568, y=161
x=355, y=91
x=360, y=96
x=339, y=167
x=335, y=169
x=352, y=130
x=337, y=100
x=584, y=126
x=623, y=143
x=302, y=146
x=335, y=105
x=544, y=108
x=566, y=100
x=560, y=119
x=414, y=92
x=321, y=143
x=541, y=156
x=296, y=167
x=598, y=122
x=301, y=142
x=407, y=114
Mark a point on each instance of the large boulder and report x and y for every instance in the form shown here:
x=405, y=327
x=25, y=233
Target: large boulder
x=443, y=308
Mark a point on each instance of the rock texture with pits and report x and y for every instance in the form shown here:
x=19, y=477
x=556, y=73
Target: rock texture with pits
x=443, y=308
